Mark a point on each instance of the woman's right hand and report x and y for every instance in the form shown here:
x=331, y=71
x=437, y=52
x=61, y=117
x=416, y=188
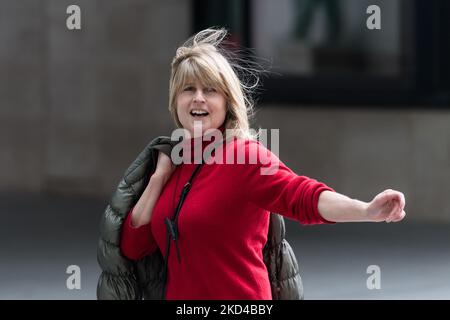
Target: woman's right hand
x=164, y=167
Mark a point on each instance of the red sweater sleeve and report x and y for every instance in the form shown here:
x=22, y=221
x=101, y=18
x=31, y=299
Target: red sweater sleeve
x=136, y=243
x=271, y=185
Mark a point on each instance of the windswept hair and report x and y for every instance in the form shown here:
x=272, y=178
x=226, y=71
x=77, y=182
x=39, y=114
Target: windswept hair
x=208, y=58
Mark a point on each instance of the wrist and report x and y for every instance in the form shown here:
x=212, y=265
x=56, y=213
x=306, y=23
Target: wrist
x=159, y=177
x=361, y=212
x=365, y=211
x=368, y=213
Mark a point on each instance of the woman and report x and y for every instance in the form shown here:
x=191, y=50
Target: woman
x=221, y=228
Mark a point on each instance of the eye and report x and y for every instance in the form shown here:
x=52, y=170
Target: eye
x=189, y=88
x=210, y=90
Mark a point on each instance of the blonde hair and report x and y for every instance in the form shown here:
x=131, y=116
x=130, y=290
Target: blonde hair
x=203, y=58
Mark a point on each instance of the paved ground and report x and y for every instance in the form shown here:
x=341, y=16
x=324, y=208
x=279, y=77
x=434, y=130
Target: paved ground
x=40, y=236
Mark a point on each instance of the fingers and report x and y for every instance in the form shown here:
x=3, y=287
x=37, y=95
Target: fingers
x=397, y=198
x=400, y=217
x=402, y=200
x=396, y=217
x=387, y=195
x=381, y=199
x=397, y=214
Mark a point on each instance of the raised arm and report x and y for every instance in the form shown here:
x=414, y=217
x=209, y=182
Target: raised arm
x=387, y=206
x=143, y=210
x=137, y=239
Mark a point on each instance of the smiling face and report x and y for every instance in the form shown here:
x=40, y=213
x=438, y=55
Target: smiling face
x=200, y=104
x=204, y=89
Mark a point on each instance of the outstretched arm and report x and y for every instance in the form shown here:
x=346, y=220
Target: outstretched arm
x=386, y=206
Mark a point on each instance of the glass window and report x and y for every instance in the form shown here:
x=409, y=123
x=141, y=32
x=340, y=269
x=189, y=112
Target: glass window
x=321, y=51
x=308, y=37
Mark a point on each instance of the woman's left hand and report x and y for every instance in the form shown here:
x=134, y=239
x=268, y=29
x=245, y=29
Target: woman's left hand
x=387, y=206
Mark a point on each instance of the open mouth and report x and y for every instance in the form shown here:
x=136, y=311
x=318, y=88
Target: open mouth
x=198, y=113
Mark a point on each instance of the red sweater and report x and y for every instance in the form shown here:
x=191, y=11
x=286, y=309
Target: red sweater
x=223, y=225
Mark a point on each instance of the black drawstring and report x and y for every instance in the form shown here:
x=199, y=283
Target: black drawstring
x=172, y=224
x=172, y=227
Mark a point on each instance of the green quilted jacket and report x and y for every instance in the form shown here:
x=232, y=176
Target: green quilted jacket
x=122, y=278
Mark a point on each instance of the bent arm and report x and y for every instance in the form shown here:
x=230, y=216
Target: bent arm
x=137, y=239
x=136, y=243
x=143, y=210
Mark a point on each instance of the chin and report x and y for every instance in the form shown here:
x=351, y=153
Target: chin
x=205, y=127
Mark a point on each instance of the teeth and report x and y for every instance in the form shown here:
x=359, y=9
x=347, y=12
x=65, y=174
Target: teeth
x=199, y=112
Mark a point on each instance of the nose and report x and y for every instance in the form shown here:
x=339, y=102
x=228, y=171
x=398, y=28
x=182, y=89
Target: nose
x=198, y=97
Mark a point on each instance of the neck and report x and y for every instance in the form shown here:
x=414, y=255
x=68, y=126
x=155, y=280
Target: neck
x=206, y=133
x=197, y=145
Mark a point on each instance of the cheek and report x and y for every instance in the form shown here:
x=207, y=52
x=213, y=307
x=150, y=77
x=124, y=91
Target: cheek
x=182, y=107
x=221, y=106
x=180, y=110
x=182, y=101
x=224, y=110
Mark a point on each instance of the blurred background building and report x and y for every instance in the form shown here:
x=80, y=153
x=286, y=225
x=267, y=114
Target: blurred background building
x=361, y=110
